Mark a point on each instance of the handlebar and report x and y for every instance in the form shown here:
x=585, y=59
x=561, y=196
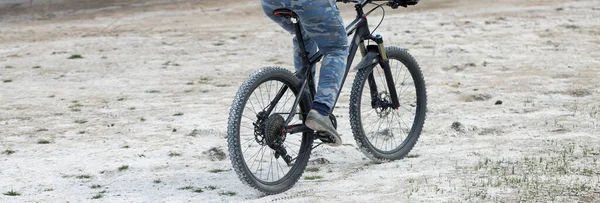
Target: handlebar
x=392, y=3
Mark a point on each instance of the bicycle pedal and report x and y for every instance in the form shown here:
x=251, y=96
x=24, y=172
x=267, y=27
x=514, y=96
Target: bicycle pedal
x=324, y=137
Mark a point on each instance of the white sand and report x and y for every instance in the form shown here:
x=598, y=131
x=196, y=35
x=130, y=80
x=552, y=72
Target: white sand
x=540, y=58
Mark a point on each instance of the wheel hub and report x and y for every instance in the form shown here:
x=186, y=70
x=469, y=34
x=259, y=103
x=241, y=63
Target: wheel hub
x=384, y=107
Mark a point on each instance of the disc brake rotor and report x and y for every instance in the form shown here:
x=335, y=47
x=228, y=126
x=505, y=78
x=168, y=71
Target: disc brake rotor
x=383, y=110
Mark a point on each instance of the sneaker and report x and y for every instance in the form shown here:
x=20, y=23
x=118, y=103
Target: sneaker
x=320, y=123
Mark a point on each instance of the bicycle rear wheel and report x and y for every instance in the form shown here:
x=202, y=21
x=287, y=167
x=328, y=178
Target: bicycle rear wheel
x=381, y=132
x=254, y=135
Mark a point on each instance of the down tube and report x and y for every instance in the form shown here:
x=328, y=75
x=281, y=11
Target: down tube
x=352, y=52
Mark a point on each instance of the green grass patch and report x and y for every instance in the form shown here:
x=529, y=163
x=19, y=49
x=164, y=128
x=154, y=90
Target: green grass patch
x=216, y=171
x=122, y=99
x=196, y=189
x=80, y=121
x=178, y=114
x=8, y=152
x=412, y=156
x=174, y=154
x=170, y=63
x=313, y=177
x=204, y=80
x=227, y=193
x=210, y=187
x=312, y=169
x=75, y=106
x=83, y=176
x=7, y=81
x=97, y=196
x=9, y=67
x=36, y=67
x=42, y=141
x=75, y=56
x=152, y=91
x=189, y=187
x=95, y=186
x=12, y=193
x=563, y=171
x=123, y=167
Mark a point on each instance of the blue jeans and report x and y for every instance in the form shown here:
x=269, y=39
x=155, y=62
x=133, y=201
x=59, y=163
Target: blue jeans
x=323, y=29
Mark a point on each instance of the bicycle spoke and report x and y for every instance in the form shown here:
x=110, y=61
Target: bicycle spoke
x=269, y=92
x=253, y=109
x=376, y=132
x=402, y=120
x=407, y=110
x=253, y=157
x=271, y=166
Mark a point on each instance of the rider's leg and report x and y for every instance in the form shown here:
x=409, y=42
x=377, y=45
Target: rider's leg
x=322, y=22
x=322, y=26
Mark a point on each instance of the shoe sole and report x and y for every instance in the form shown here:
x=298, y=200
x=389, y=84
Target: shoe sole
x=315, y=125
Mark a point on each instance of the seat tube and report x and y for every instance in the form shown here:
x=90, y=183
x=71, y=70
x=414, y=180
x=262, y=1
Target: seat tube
x=303, y=53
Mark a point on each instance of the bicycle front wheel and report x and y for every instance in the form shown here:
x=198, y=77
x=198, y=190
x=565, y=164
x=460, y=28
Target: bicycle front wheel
x=262, y=156
x=382, y=132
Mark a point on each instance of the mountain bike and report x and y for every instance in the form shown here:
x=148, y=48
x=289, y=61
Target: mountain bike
x=269, y=145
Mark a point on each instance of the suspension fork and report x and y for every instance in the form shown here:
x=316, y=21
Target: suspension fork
x=384, y=62
x=370, y=79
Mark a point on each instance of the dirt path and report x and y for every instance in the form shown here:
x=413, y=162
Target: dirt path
x=136, y=118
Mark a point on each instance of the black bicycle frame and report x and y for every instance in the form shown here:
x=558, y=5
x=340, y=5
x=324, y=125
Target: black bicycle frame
x=372, y=55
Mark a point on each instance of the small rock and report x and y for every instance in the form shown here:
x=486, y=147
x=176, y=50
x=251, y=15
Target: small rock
x=499, y=102
x=459, y=127
x=194, y=133
x=215, y=154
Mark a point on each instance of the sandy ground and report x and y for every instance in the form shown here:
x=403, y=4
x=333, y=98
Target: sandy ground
x=141, y=117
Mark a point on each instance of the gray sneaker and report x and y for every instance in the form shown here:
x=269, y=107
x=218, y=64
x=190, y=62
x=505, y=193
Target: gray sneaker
x=320, y=123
